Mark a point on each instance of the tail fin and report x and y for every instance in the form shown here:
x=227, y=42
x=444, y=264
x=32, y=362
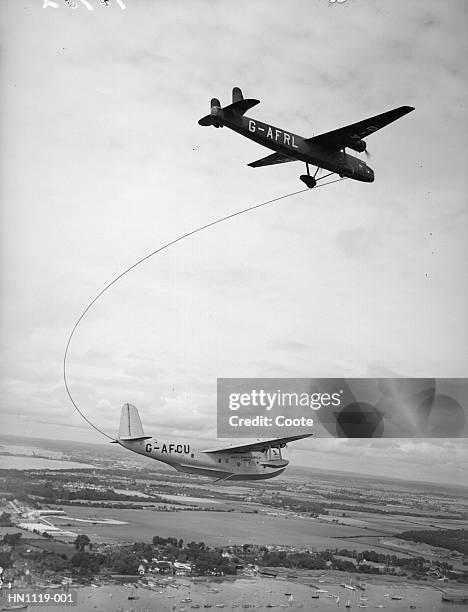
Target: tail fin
x=240, y=105
x=130, y=424
x=237, y=95
x=215, y=109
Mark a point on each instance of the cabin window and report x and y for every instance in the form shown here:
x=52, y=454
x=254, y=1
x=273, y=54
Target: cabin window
x=219, y=460
x=238, y=464
x=192, y=455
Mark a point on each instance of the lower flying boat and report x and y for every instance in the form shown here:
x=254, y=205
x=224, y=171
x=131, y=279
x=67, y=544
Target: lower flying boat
x=258, y=460
x=326, y=151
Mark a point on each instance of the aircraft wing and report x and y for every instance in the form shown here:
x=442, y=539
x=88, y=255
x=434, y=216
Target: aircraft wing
x=343, y=137
x=270, y=160
x=258, y=445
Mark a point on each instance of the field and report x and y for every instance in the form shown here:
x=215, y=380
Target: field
x=398, y=523
x=216, y=528
x=53, y=546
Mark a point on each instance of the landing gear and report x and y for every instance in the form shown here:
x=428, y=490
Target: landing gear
x=307, y=179
x=311, y=181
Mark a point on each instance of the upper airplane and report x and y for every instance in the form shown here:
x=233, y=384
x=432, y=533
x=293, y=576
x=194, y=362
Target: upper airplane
x=255, y=461
x=327, y=151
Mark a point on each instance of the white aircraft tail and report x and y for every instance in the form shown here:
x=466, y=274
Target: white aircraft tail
x=130, y=424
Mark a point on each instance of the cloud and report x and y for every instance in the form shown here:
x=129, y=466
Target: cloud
x=289, y=346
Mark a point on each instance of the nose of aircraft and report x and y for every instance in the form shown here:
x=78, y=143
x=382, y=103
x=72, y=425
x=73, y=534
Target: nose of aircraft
x=369, y=175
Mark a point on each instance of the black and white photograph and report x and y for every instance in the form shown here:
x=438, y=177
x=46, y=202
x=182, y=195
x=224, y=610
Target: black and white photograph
x=234, y=296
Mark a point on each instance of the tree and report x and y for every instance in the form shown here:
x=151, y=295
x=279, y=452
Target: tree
x=143, y=549
x=124, y=562
x=212, y=562
x=87, y=564
x=81, y=542
x=5, y=520
x=343, y=566
x=53, y=562
x=12, y=538
x=5, y=559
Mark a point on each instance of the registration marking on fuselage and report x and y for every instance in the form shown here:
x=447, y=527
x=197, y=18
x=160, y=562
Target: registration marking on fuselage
x=168, y=448
x=275, y=134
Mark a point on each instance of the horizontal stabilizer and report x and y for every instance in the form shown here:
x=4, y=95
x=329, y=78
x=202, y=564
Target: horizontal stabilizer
x=241, y=106
x=271, y=160
x=130, y=424
x=207, y=120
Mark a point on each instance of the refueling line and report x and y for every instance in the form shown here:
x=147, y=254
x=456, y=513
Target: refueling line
x=143, y=259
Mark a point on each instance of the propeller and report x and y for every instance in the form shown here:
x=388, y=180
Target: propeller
x=367, y=153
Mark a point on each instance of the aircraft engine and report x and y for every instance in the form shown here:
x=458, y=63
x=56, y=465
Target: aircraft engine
x=215, y=112
x=357, y=145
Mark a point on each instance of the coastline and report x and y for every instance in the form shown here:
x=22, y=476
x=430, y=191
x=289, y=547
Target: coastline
x=292, y=590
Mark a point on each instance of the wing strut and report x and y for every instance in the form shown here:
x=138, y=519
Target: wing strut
x=311, y=181
x=224, y=478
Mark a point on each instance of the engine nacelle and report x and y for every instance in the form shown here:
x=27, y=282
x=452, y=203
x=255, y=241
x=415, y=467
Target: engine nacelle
x=357, y=145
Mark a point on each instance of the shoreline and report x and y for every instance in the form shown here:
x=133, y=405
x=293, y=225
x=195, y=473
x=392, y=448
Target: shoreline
x=315, y=579
x=166, y=593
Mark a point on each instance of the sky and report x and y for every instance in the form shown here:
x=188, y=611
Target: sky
x=103, y=162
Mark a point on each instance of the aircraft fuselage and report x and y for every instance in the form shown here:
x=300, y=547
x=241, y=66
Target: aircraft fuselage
x=222, y=465
x=291, y=144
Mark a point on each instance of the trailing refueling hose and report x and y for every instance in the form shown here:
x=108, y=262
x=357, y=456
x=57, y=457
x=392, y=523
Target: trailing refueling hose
x=143, y=259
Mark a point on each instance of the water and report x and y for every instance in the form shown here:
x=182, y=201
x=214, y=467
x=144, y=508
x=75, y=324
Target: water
x=8, y=462
x=255, y=593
